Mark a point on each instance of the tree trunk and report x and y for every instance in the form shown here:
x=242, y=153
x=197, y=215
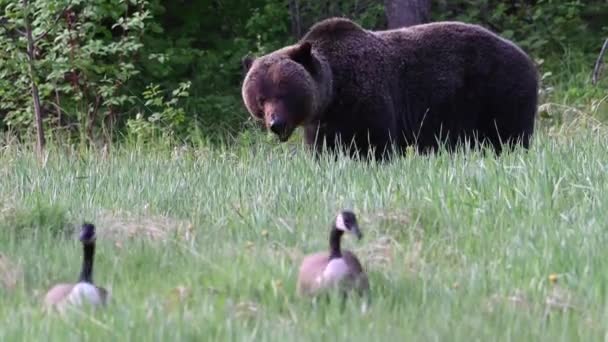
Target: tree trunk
x=595, y=77
x=296, y=19
x=401, y=13
x=34, y=87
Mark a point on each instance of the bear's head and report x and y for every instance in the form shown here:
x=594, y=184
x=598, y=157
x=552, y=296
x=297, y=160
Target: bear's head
x=285, y=88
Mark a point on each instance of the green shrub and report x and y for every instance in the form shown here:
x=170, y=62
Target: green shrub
x=42, y=219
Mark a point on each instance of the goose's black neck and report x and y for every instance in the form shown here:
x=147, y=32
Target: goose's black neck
x=86, y=272
x=334, y=243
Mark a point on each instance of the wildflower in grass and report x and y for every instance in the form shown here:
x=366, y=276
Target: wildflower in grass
x=553, y=278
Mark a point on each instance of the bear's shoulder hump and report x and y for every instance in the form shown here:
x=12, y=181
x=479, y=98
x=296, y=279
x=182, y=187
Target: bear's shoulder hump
x=333, y=27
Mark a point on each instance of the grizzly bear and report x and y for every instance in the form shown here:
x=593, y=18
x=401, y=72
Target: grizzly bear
x=371, y=92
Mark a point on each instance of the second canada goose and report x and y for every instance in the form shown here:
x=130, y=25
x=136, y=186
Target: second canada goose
x=335, y=268
x=84, y=291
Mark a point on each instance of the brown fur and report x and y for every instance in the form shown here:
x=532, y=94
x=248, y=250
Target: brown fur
x=380, y=89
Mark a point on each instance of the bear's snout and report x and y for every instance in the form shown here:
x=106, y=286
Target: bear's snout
x=278, y=125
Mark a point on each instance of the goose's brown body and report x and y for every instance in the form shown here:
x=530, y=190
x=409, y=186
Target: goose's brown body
x=59, y=294
x=311, y=275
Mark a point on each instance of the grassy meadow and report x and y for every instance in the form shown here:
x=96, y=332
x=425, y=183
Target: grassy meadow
x=204, y=243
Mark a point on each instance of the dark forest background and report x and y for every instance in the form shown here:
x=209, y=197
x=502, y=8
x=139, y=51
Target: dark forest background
x=115, y=70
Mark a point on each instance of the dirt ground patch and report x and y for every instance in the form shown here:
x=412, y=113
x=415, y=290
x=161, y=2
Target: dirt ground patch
x=118, y=225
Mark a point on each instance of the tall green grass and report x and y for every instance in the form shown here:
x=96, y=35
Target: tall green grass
x=204, y=244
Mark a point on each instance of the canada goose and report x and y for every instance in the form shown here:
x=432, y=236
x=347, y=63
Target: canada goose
x=336, y=268
x=84, y=291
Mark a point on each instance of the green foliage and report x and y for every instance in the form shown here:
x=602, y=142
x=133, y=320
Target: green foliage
x=164, y=121
x=269, y=26
x=543, y=27
x=24, y=223
x=83, y=59
x=368, y=13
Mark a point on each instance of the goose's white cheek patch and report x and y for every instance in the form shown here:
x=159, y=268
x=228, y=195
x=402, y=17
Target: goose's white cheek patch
x=340, y=223
x=84, y=293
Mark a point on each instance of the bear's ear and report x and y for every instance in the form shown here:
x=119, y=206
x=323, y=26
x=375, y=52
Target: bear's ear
x=246, y=62
x=303, y=54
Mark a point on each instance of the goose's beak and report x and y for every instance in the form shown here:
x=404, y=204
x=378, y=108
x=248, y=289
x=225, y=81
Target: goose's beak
x=355, y=230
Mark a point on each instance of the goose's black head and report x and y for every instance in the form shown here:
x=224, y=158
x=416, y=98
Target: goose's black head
x=87, y=233
x=347, y=221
